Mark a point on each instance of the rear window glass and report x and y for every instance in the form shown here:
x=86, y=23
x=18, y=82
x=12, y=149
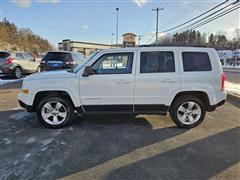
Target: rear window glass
x=196, y=61
x=4, y=54
x=53, y=56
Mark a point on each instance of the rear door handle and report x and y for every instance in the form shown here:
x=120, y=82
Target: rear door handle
x=168, y=80
x=123, y=81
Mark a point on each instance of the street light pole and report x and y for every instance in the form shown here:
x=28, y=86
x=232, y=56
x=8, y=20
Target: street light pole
x=157, y=10
x=112, y=39
x=117, y=9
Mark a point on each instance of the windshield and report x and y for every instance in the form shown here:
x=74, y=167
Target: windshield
x=83, y=63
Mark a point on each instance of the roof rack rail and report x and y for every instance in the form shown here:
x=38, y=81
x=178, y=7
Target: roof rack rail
x=172, y=45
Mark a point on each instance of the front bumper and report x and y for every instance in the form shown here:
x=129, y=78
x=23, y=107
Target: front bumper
x=26, y=100
x=25, y=106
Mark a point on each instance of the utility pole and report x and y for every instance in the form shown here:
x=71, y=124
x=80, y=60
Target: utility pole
x=139, y=39
x=117, y=9
x=157, y=10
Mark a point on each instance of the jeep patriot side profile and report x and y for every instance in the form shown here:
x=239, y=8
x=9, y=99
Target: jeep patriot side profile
x=184, y=81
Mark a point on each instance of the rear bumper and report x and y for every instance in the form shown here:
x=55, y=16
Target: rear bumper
x=25, y=106
x=214, y=107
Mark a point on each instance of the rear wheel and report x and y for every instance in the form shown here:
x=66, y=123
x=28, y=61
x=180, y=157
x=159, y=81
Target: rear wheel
x=187, y=111
x=55, y=112
x=17, y=73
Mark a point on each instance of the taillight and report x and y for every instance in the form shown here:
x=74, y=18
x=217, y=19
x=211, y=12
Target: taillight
x=9, y=61
x=224, y=77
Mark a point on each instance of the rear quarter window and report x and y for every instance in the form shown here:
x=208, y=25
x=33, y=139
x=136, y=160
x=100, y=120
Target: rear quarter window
x=196, y=61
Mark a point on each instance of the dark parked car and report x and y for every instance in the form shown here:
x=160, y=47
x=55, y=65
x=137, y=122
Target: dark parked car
x=61, y=60
x=17, y=63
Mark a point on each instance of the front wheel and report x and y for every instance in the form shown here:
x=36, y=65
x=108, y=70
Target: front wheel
x=187, y=111
x=55, y=112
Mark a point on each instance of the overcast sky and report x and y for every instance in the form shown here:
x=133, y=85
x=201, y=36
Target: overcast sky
x=95, y=20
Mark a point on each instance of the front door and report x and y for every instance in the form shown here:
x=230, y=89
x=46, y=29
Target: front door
x=111, y=89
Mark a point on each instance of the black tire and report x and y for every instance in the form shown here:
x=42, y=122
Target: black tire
x=65, y=102
x=184, y=100
x=17, y=73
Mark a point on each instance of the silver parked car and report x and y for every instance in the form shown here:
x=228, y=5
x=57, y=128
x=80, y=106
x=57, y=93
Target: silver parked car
x=17, y=63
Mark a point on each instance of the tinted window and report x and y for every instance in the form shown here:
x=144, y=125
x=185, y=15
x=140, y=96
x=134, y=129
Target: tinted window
x=157, y=62
x=120, y=63
x=54, y=56
x=196, y=61
x=19, y=55
x=28, y=56
x=4, y=54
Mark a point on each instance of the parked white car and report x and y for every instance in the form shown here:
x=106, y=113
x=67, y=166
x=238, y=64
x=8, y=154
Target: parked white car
x=184, y=81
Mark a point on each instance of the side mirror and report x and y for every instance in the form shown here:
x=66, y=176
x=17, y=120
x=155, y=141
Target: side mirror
x=88, y=71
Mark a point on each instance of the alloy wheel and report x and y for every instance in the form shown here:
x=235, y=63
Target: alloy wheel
x=54, y=113
x=189, y=112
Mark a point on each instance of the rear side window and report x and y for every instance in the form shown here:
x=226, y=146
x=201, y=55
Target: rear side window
x=19, y=55
x=157, y=62
x=196, y=61
x=57, y=56
x=4, y=54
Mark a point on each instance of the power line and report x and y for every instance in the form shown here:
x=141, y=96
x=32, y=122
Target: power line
x=197, y=16
x=206, y=21
x=200, y=20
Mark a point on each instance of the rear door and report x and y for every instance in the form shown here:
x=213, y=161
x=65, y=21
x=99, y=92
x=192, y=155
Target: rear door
x=31, y=65
x=157, y=80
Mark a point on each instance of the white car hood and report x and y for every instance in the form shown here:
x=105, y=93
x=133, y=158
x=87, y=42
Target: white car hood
x=51, y=75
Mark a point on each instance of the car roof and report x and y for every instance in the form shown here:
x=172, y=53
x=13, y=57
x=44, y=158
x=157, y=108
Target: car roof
x=157, y=48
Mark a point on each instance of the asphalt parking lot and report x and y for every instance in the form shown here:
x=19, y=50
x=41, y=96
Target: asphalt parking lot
x=117, y=147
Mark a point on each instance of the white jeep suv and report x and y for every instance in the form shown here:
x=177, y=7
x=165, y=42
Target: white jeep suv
x=184, y=81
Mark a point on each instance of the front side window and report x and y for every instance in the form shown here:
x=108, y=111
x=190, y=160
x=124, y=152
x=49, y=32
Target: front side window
x=157, y=62
x=196, y=61
x=119, y=63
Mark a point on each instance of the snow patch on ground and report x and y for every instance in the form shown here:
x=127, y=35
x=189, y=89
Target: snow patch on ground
x=31, y=140
x=6, y=141
x=20, y=115
x=47, y=141
x=2, y=81
x=232, y=87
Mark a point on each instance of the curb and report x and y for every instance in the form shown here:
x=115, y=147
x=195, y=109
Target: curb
x=233, y=97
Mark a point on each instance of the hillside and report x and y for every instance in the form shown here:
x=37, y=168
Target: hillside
x=13, y=38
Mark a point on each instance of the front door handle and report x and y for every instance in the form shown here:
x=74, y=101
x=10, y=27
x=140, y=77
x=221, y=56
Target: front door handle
x=123, y=81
